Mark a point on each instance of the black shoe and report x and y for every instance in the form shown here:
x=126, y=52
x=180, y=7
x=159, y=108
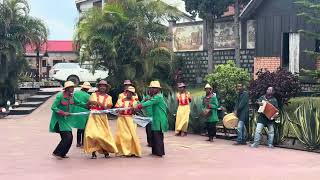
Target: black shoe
x=94, y=156
x=57, y=156
x=65, y=156
x=79, y=145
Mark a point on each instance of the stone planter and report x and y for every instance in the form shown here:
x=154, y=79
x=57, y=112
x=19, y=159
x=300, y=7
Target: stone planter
x=29, y=85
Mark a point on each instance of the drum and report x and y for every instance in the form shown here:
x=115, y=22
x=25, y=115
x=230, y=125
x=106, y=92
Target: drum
x=268, y=110
x=230, y=121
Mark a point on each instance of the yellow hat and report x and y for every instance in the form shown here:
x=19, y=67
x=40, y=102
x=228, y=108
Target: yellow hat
x=68, y=84
x=208, y=86
x=131, y=89
x=154, y=84
x=86, y=85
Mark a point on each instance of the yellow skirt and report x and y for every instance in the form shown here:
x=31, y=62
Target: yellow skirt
x=127, y=140
x=182, y=119
x=98, y=136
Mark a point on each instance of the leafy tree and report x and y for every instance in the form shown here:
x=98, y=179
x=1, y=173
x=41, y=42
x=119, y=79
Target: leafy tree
x=310, y=11
x=17, y=30
x=225, y=78
x=285, y=83
x=126, y=37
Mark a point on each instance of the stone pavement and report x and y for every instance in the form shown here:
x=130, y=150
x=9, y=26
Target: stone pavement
x=26, y=147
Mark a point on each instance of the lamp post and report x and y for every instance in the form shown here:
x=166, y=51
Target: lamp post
x=38, y=59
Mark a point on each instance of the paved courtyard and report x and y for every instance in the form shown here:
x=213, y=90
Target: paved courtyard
x=26, y=147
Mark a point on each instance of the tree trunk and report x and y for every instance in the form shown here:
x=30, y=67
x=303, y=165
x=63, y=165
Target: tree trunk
x=236, y=33
x=210, y=36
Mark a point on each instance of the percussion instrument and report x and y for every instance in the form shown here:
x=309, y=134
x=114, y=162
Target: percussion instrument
x=230, y=121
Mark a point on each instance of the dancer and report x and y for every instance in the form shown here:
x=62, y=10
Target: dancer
x=183, y=112
x=126, y=84
x=59, y=122
x=127, y=140
x=81, y=105
x=159, y=118
x=149, y=114
x=98, y=135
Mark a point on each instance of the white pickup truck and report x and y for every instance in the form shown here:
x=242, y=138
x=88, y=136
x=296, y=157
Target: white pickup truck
x=76, y=73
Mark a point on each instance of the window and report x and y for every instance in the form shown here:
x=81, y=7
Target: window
x=44, y=63
x=97, y=4
x=56, y=61
x=317, y=46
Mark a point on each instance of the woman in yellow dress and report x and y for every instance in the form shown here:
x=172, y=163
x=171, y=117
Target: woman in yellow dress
x=127, y=140
x=182, y=119
x=98, y=135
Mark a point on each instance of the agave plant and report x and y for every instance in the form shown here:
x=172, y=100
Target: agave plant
x=196, y=121
x=282, y=128
x=306, y=125
x=172, y=105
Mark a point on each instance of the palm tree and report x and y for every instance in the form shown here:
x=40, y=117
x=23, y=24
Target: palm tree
x=125, y=37
x=17, y=30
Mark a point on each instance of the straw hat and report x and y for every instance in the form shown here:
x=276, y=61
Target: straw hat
x=207, y=86
x=154, y=84
x=180, y=85
x=68, y=84
x=86, y=85
x=131, y=89
x=127, y=82
x=103, y=82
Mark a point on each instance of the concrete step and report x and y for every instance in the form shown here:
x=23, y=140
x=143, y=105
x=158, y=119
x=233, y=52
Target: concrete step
x=37, y=98
x=31, y=104
x=22, y=110
x=46, y=93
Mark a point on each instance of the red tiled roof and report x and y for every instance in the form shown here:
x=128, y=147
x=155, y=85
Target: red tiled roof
x=53, y=46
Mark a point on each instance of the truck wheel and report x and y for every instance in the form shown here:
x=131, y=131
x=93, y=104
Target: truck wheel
x=74, y=79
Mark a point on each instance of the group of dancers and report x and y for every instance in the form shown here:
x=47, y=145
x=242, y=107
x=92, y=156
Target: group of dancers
x=94, y=132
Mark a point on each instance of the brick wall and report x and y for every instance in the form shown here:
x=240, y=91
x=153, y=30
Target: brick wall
x=318, y=64
x=266, y=63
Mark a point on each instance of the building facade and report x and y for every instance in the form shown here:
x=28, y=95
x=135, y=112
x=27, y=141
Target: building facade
x=49, y=54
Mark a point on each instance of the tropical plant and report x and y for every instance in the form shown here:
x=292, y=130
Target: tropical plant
x=127, y=38
x=196, y=122
x=285, y=83
x=17, y=30
x=306, y=125
x=225, y=78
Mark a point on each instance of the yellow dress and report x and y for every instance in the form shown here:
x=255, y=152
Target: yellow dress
x=98, y=135
x=127, y=140
x=183, y=112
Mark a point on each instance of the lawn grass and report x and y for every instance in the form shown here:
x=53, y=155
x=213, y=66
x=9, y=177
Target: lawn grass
x=196, y=92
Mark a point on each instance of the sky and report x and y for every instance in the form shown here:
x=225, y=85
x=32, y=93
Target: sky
x=59, y=15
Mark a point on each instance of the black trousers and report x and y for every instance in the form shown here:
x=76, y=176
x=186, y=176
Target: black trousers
x=80, y=136
x=149, y=134
x=157, y=143
x=66, y=140
x=212, y=129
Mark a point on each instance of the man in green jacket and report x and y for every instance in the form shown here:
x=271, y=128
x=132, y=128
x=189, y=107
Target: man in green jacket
x=59, y=121
x=81, y=105
x=210, y=107
x=241, y=110
x=149, y=114
x=159, y=118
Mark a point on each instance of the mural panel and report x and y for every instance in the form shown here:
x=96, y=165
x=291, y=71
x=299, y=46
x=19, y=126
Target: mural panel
x=251, y=34
x=188, y=38
x=224, y=36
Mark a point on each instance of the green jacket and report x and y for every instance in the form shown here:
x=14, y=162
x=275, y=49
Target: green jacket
x=81, y=99
x=213, y=105
x=61, y=104
x=148, y=108
x=159, y=113
x=242, y=106
x=262, y=118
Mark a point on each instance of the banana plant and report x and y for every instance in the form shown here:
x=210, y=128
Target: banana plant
x=306, y=125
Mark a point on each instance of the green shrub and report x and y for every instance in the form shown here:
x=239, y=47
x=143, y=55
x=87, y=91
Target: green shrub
x=225, y=78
